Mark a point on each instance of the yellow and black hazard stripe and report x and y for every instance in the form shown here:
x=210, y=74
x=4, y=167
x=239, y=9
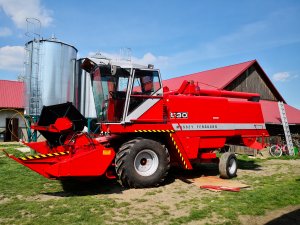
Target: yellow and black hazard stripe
x=178, y=150
x=41, y=156
x=155, y=131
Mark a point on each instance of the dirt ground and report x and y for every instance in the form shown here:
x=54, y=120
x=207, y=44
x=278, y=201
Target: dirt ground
x=175, y=198
x=287, y=215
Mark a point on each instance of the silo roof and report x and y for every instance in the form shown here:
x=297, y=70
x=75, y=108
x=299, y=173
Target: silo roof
x=54, y=40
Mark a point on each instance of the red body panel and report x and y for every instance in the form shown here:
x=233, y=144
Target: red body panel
x=92, y=162
x=81, y=157
x=154, y=114
x=60, y=125
x=208, y=121
x=203, y=109
x=201, y=120
x=82, y=164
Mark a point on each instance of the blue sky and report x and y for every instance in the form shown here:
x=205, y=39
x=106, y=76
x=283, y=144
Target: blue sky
x=179, y=37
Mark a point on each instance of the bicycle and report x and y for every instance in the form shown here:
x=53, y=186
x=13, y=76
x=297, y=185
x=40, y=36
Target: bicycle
x=278, y=149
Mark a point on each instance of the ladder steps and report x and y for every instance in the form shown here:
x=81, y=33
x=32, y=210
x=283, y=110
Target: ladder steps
x=286, y=128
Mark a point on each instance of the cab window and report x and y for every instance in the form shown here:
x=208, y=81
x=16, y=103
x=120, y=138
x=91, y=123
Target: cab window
x=145, y=83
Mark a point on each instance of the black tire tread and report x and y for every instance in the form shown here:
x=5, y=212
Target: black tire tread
x=121, y=169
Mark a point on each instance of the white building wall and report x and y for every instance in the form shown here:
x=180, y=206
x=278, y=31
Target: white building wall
x=7, y=113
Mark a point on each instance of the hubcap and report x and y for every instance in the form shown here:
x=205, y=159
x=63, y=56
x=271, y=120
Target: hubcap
x=146, y=162
x=232, y=166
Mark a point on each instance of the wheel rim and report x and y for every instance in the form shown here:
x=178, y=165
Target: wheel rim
x=146, y=162
x=232, y=166
x=275, y=151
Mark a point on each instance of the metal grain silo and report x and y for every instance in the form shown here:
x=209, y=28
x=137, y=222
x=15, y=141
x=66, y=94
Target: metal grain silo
x=50, y=71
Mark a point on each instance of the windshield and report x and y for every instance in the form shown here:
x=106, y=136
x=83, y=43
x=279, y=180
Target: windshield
x=111, y=87
x=109, y=93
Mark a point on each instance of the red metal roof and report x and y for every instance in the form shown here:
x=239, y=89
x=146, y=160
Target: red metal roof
x=11, y=94
x=272, y=116
x=217, y=78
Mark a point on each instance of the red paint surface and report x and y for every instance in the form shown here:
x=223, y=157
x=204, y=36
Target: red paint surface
x=12, y=94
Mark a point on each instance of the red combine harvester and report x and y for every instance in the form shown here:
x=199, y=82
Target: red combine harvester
x=144, y=128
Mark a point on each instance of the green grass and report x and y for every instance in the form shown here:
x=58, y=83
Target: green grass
x=195, y=214
x=286, y=157
x=153, y=192
x=267, y=193
x=28, y=198
x=140, y=200
x=13, y=145
x=19, y=203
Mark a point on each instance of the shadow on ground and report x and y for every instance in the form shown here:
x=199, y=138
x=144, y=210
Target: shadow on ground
x=107, y=186
x=248, y=165
x=292, y=218
x=210, y=169
x=94, y=187
x=199, y=170
x=86, y=188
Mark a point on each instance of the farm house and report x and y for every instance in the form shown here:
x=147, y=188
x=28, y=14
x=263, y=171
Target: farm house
x=11, y=110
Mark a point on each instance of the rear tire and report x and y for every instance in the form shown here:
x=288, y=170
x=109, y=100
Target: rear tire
x=142, y=163
x=228, y=165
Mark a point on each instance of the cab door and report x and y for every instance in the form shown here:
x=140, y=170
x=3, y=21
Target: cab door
x=145, y=99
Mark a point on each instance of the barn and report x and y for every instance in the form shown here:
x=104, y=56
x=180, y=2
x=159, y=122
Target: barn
x=12, y=125
x=246, y=77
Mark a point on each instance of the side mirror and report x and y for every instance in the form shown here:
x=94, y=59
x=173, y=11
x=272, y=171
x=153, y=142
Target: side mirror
x=113, y=70
x=88, y=65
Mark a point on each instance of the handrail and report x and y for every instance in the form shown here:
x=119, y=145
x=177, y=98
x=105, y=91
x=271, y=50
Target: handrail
x=147, y=96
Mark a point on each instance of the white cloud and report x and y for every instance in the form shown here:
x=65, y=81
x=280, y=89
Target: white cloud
x=104, y=55
x=19, y=10
x=284, y=76
x=12, y=58
x=281, y=76
x=149, y=58
x=5, y=31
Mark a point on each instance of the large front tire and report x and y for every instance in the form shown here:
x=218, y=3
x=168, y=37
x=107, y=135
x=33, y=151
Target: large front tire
x=228, y=165
x=142, y=163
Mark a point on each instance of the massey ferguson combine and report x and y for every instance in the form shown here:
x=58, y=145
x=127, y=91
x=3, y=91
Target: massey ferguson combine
x=145, y=128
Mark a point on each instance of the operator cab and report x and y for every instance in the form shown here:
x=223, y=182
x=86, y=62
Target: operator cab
x=122, y=93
